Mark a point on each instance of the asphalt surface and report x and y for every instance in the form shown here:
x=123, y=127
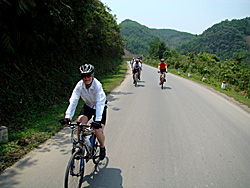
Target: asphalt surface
x=185, y=135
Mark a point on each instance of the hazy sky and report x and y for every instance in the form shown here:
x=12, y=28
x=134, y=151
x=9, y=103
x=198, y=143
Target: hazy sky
x=193, y=16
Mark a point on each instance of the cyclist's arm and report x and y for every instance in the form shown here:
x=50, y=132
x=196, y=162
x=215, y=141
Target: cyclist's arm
x=140, y=66
x=100, y=103
x=73, y=101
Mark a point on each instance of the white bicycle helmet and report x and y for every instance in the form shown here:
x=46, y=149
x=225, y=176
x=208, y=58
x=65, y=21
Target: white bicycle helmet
x=86, y=69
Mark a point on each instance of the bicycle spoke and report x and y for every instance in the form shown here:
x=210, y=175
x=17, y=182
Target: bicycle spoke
x=75, y=170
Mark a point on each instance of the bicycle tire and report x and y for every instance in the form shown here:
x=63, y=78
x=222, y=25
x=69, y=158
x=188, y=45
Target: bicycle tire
x=136, y=79
x=162, y=82
x=96, y=151
x=74, y=172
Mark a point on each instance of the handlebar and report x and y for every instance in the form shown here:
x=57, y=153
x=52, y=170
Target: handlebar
x=94, y=125
x=160, y=71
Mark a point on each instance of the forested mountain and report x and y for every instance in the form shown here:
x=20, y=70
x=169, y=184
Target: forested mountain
x=174, y=38
x=222, y=39
x=42, y=45
x=227, y=39
x=138, y=37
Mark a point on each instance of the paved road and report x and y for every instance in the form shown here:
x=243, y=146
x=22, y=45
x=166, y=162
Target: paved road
x=183, y=136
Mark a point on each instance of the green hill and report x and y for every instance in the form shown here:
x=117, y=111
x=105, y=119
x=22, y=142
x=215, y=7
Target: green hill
x=137, y=36
x=174, y=38
x=222, y=39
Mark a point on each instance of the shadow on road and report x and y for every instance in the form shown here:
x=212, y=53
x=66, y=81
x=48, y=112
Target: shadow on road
x=61, y=141
x=10, y=175
x=112, y=96
x=166, y=88
x=103, y=176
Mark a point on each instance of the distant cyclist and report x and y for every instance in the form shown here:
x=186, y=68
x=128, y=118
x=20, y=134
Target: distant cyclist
x=136, y=68
x=140, y=61
x=132, y=62
x=163, y=69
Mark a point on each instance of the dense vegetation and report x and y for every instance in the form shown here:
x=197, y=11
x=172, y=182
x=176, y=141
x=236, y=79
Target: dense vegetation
x=223, y=39
x=173, y=38
x=138, y=37
x=42, y=44
x=236, y=75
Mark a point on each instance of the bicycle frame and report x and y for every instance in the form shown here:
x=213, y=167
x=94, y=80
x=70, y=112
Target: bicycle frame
x=136, y=78
x=162, y=79
x=82, y=134
x=79, y=137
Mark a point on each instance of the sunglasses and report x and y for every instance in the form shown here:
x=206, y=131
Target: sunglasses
x=86, y=75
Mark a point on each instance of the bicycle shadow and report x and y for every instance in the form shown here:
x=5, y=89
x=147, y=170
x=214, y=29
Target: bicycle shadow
x=103, y=176
x=112, y=96
x=166, y=88
x=139, y=83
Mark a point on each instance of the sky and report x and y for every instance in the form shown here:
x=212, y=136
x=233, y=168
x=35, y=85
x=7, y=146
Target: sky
x=192, y=16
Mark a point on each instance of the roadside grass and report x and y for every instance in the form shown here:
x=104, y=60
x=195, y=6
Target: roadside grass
x=212, y=84
x=41, y=128
x=216, y=86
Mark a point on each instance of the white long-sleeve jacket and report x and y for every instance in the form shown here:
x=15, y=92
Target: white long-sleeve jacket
x=94, y=97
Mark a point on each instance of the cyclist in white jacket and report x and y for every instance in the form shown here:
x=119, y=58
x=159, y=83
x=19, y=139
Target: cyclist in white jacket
x=91, y=91
x=136, y=68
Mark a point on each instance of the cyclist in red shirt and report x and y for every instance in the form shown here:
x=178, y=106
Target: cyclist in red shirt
x=163, y=69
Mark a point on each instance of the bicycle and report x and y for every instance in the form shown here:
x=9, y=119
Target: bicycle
x=136, y=77
x=162, y=79
x=83, y=151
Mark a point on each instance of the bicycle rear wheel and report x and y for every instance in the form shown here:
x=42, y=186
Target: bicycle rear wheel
x=75, y=171
x=96, y=151
x=136, y=79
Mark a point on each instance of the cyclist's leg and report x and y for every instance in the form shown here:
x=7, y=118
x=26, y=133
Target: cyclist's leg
x=83, y=117
x=85, y=114
x=100, y=135
x=99, y=132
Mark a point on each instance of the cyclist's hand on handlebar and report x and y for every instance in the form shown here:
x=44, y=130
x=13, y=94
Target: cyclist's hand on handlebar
x=65, y=121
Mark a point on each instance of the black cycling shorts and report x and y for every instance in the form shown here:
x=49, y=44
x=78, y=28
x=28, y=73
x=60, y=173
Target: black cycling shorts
x=163, y=70
x=135, y=71
x=90, y=112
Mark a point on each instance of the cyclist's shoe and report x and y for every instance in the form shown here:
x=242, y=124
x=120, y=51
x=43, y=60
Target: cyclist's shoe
x=164, y=80
x=134, y=82
x=139, y=78
x=102, y=153
x=160, y=83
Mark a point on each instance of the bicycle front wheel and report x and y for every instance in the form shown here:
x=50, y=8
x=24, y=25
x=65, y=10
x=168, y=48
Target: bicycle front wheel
x=136, y=79
x=96, y=151
x=75, y=171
